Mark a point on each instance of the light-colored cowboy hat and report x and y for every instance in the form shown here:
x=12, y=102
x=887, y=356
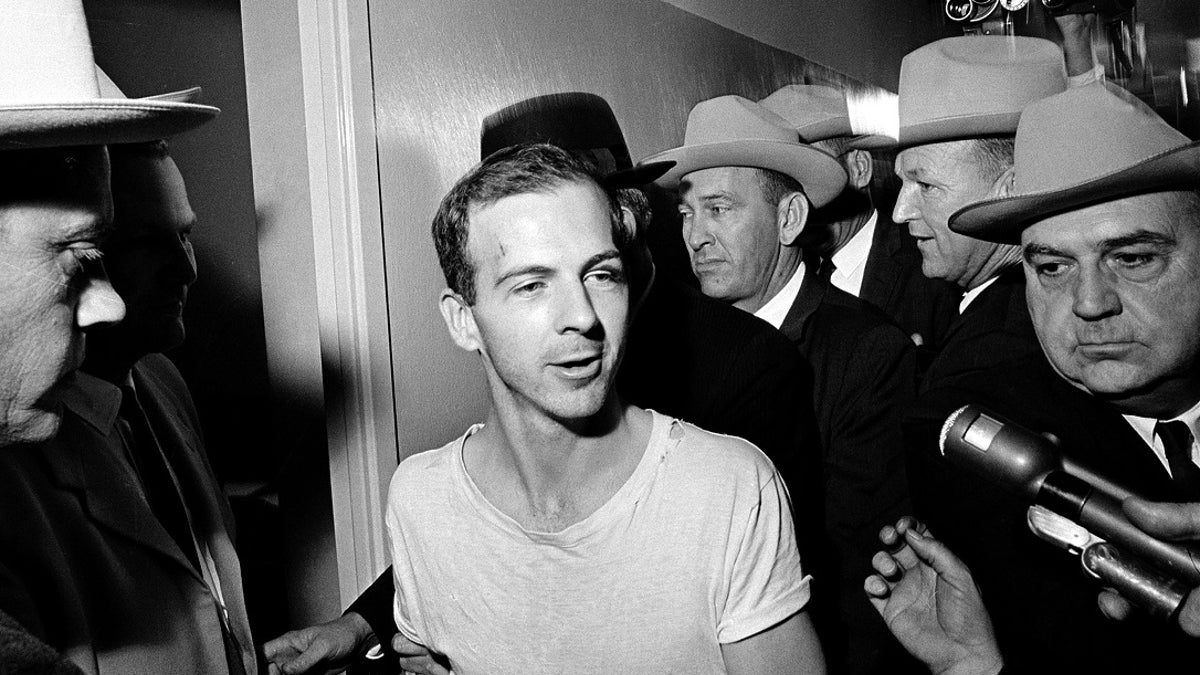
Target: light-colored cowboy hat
x=50, y=95
x=819, y=113
x=574, y=121
x=974, y=86
x=735, y=131
x=1085, y=146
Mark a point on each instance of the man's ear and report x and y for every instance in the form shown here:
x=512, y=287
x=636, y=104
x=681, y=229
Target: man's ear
x=460, y=321
x=629, y=221
x=1003, y=185
x=792, y=216
x=859, y=168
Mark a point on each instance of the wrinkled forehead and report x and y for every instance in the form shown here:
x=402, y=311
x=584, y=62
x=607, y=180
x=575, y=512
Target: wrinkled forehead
x=1174, y=216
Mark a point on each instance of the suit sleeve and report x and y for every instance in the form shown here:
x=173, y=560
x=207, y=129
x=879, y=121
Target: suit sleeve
x=375, y=605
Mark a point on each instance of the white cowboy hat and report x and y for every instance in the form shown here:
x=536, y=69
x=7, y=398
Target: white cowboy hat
x=735, y=131
x=974, y=86
x=1085, y=146
x=819, y=113
x=50, y=94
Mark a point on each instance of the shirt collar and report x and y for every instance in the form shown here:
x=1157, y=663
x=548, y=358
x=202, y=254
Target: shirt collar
x=854, y=253
x=776, y=309
x=92, y=399
x=970, y=295
x=1144, y=426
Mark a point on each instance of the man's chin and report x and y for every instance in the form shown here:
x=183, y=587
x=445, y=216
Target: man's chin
x=34, y=425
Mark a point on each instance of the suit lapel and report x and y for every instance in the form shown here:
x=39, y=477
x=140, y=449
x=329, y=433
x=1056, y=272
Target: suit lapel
x=880, y=278
x=88, y=457
x=812, y=290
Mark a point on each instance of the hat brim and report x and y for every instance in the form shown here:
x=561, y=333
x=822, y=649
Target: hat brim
x=1002, y=220
x=637, y=176
x=873, y=142
x=821, y=175
x=958, y=128
x=98, y=121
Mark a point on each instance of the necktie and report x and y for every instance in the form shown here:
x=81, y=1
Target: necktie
x=827, y=269
x=1177, y=444
x=158, y=483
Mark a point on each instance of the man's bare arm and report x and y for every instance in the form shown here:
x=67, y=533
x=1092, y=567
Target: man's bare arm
x=787, y=648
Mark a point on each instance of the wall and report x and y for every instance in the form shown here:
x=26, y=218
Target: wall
x=864, y=39
x=439, y=68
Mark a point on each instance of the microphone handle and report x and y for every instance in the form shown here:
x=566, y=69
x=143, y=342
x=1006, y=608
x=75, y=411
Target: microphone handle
x=1138, y=583
x=1102, y=515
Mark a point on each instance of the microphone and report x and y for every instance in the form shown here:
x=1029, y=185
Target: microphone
x=1031, y=466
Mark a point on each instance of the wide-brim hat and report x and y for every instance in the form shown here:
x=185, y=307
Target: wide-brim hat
x=575, y=121
x=49, y=92
x=819, y=113
x=1085, y=146
x=735, y=131
x=974, y=86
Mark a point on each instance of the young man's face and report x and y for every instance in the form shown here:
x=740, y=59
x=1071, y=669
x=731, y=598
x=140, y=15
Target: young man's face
x=732, y=234
x=552, y=302
x=52, y=286
x=1114, y=292
x=938, y=179
x=149, y=257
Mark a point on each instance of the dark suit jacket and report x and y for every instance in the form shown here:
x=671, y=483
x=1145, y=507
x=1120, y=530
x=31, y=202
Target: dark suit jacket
x=84, y=563
x=698, y=359
x=994, y=329
x=893, y=282
x=1042, y=603
x=863, y=378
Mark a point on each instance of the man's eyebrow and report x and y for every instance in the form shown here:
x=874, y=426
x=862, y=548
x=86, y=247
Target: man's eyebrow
x=611, y=254
x=530, y=270
x=1141, y=237
x=1031, y=250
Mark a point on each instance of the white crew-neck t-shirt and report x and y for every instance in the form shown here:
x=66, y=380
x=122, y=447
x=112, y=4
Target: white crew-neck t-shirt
x=696, y=549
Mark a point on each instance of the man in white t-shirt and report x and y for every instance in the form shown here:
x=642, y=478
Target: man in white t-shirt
x=572, y=532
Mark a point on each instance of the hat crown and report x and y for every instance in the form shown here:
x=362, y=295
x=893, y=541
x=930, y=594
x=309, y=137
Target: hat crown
x=45, y=53
x=971, y=86
x=816, y=112
x=1085, y=133
x=734, y=118
x=571, y=120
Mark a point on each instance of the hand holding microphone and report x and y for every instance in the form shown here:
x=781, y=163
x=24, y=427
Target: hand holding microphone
x=1031, y=466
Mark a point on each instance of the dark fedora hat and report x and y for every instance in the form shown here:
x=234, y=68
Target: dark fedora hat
x=575, y=121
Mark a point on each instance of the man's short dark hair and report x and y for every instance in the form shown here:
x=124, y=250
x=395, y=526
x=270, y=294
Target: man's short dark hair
x=993, y=156
x=149, y=150
x=520, y=169
x=775, y=185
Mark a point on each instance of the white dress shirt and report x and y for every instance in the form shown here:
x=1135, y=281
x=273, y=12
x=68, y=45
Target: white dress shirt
x=1144, y=426
x=850, y=261
x=970, y=295
x=776, y=309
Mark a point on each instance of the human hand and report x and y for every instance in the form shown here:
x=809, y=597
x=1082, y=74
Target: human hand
x=1169, y=522
x=930, y=603
x=1079, y=54
x=417, y=659
x=326, y=648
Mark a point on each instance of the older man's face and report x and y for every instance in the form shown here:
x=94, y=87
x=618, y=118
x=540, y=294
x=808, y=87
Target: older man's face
x=1114, y=292
x=732, y=234
x=54, y=209
x=938, y=179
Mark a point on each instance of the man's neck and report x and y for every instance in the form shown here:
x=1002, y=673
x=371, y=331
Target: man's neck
x=785, y=266
x=110, y=367
x=548, y=474
x=850, y=227
x=1004, y=257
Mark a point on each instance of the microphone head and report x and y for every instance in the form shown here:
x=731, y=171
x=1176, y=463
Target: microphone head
x=1004, y=453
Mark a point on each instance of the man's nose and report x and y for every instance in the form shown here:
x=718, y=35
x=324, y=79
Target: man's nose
x=905, y=209
x=576, y=313
x=99, y=305
x=696, y=232
x=1095, y=294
